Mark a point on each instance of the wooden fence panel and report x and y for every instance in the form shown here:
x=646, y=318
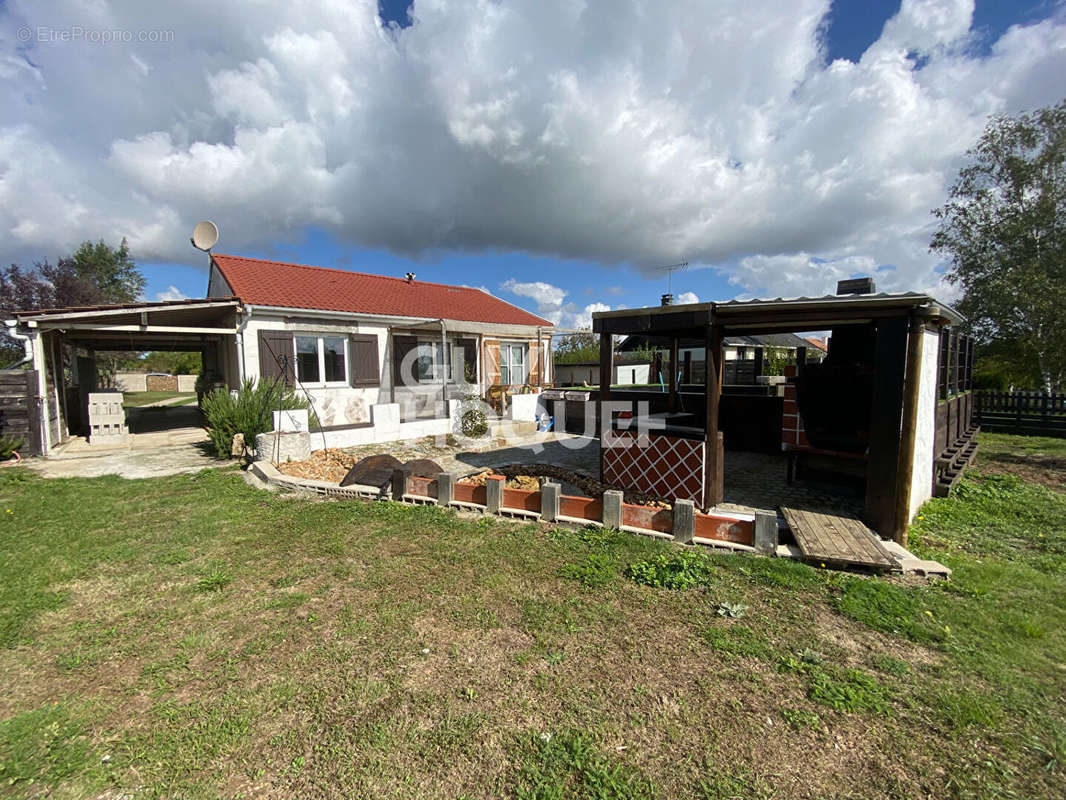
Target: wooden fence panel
x=1025, y=413
x=20, y=408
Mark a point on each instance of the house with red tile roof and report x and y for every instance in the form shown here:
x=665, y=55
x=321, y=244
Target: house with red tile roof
x=380, y=358
x=358, y=343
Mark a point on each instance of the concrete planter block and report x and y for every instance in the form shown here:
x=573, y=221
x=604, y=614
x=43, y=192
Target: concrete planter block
x=765, y=532
x=282, y=447
x=612, y=509
x=770, y=380
x=684, y=521
x=445, y=488
x=494, y=493
x=549, y=501
x=524, y=407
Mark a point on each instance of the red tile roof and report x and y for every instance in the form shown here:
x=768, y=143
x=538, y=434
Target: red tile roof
x=275, y=283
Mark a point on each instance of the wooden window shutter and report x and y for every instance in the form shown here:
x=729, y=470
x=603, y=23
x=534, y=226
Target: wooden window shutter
x=363, y=360
x=276, y=353
x=401, y=346
x=492, y=362
x=469, y=348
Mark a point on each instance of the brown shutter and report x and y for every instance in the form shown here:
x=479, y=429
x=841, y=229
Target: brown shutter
x=401, y=346
x=469, y=348
x=492, y=362
x=533, y=357
x=276, y=352
x=363, y=358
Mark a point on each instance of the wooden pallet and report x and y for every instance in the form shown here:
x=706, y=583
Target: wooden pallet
x=951, y=463
x=837, y=541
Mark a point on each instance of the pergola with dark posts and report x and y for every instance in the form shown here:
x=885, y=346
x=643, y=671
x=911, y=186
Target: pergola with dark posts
x=864, y=403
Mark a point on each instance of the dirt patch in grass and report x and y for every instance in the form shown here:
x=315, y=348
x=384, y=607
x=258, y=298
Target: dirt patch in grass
x=1037, y=459
x=1049, y=471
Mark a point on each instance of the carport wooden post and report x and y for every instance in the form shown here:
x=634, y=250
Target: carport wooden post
x=713, y=392
x=915, y=340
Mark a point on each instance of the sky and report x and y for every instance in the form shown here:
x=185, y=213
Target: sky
x=555, y=153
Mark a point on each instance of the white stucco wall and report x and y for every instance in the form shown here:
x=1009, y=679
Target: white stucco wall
x=925, y=433
x=341, y=405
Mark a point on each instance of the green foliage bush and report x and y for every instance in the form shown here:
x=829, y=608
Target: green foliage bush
x=683, y=569
x=8, y=445
x=473, y=423
x=249, y=413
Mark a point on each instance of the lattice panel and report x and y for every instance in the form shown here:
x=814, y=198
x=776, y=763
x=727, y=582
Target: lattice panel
x=664, y=466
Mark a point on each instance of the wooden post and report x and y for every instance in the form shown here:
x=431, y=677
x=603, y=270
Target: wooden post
x=909, y=431
x=758, y=362
x=673, y=374
x=886, y=413
x=684, y=521
x=606, y=373
x=494, y=493
x=688, y=367
x=712, y=394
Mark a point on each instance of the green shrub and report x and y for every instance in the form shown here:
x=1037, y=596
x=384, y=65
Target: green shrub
x=473, y=423
x=8, y=445
x=682, y=569
x=249, y=413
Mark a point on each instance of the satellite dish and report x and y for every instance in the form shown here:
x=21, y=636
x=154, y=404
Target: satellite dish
x=204, y=235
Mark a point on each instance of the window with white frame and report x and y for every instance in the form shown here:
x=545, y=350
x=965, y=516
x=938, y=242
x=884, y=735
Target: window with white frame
x=513, y=371
x=434, y=362
x=322, y=360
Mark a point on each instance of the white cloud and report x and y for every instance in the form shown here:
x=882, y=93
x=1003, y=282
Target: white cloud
x=687, y=297
x=647, y=132
x=171, y=293
x=551, y=303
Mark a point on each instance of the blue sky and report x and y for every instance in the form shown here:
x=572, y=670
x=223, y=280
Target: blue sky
x=554, y=158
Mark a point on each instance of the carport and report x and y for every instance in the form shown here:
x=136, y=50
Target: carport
x=63, y=344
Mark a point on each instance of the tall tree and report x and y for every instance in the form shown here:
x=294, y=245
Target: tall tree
x=1003, y=231
x=95, y=274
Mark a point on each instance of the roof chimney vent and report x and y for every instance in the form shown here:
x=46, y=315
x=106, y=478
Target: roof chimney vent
x=410, y=277
x=667, y=299
x=856, y=286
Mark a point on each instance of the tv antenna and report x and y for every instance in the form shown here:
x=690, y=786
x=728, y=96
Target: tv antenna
x=204, y=235
x=670, y=269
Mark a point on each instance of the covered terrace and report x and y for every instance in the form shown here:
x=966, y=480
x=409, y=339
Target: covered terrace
x=859, y=412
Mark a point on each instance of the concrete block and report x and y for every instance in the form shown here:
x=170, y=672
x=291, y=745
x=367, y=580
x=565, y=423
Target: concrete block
x=765, y=532
x=524, y=407
x=282, y=447
x=612, y=509
x=291, y=421
x=186, y=383
x=386, y=417
x=399, y=484
x=445, y=488
x=494, y=494
x=684, y=521
x=922, y=567
x=549, y=501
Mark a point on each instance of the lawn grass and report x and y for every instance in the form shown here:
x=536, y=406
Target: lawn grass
x=138, y=399
x=192, y=636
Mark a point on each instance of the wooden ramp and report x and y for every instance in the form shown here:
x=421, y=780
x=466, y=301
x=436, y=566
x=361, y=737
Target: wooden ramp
x=837, y=541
